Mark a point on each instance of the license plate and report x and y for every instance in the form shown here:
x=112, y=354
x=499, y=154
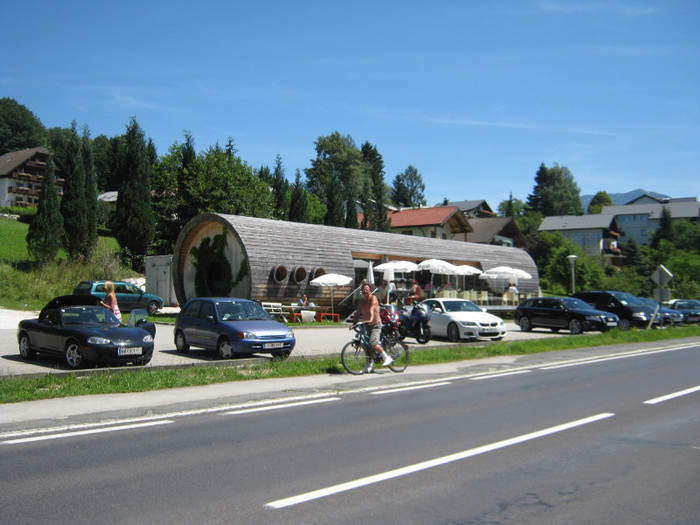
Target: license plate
x=611, y=323
x=130, y=351
x=273, y=345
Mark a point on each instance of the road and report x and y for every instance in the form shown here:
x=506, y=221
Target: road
x=607, y=439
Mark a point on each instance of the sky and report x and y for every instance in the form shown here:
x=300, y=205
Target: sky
x=476, y=95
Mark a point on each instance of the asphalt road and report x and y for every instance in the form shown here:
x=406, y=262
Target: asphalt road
x=612, y=438
x=311, y=341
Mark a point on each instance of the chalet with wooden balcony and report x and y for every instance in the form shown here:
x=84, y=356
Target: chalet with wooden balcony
x=21, y=175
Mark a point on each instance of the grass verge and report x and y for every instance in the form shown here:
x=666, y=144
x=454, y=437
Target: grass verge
x=113, y=381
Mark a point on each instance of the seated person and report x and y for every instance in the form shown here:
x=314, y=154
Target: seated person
x=303, y=302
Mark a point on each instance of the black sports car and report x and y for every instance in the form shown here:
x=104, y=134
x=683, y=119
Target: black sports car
x=78, y=329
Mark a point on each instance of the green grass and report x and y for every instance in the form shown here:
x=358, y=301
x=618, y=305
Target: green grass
x=23, y=286
x=110, y=381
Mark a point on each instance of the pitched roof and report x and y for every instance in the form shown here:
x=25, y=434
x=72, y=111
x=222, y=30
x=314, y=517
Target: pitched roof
x=437, y=216
x=14, y=159
x=468, y=206
x=680, y=208
x=486, y=228
x=576, y=222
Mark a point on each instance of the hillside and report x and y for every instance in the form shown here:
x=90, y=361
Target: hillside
x=620, y=199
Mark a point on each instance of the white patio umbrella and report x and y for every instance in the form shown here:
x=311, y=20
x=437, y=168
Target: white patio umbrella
x=332, y=280
x=466, y=271
x=437, y=267
x=505, y=272
x=397, y=266
x=370, y=275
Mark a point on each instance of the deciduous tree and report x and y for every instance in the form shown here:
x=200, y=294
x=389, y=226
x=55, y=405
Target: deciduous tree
x=555, y=192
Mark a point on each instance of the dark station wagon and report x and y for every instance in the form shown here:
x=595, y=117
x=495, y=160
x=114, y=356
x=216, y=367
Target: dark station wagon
x=129, y=296
x=562, y=313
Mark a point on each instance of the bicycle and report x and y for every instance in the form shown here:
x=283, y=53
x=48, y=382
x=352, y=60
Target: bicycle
x=358, y=357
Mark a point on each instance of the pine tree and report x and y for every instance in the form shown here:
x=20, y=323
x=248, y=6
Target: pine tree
x=74, y=204
x=377, y=192
x=136, y=224
x=46, y=230
x=299, y=201
x=90, y=193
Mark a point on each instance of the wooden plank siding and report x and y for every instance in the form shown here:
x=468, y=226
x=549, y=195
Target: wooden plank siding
x=266, y=243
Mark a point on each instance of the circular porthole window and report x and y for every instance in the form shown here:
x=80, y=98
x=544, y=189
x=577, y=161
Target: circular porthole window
x=279, y=273
x=299, y=274
x=317, y=272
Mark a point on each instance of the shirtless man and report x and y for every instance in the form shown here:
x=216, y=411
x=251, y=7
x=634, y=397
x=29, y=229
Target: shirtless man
x=368, y=311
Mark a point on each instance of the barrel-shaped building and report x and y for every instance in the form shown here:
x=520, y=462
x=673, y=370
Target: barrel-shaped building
x=274, y=261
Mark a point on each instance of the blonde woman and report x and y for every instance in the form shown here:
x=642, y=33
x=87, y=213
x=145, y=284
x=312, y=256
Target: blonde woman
x=110, y=301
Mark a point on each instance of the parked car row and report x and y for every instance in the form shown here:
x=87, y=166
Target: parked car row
x=602, y=310
x=78, y=329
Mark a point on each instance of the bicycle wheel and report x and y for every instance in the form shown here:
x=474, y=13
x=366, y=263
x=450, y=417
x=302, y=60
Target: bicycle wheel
x=398, y=351
x=354, y=358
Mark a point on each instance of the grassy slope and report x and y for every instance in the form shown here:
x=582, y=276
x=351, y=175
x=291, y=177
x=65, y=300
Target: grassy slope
x=24, y=289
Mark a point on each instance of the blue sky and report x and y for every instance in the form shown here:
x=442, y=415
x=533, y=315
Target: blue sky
x=475, y=95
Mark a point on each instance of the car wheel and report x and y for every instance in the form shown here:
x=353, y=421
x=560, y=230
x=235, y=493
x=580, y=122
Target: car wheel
x=74, y=354
x=152, y=308
x=180, y=343
x=624, y=324
x=224, y=348
x=575, y=327
x=25, y=347
x=525, y=325
x=141, y=361
x=453, y=333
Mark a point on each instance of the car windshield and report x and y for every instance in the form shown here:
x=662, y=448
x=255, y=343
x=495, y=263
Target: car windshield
x=688, y=304
x=460, y=306
x=649, y=301
x=87, y=315
x=627, y=298
x=571, y=303
x=239, y=310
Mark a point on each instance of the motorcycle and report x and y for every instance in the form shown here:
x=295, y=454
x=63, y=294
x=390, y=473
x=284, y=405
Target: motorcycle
x=407, y=323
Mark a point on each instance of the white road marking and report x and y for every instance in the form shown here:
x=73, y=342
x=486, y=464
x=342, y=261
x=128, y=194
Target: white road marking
x=84, y=432
x=405, y=389
x=600, y=359
x=377, y=478
x=277, y=407
x=502, y=374
x=672, y=396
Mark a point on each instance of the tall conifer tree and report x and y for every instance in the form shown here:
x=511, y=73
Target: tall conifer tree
x=73, y=204
x=135, y=220
x=46, y=230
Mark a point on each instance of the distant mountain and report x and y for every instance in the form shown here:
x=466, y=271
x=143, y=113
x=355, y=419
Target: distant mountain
x=620, y=199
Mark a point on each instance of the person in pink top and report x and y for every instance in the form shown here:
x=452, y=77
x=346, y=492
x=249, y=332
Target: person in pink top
x=110, y=301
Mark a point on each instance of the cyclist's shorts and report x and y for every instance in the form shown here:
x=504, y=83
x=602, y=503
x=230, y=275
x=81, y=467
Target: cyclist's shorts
x=375, y=334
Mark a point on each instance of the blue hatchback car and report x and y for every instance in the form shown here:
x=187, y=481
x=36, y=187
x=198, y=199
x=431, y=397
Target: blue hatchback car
x=231, y=326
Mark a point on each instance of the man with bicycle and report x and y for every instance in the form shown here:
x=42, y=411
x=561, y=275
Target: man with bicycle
x=368, y=311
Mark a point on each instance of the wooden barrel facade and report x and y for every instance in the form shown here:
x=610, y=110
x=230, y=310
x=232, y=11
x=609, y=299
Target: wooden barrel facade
x=274, y=261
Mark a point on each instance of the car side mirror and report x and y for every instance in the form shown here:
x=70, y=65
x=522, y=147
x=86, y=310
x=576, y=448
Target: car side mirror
x=483, y=309
x=46, y=321
x=210, y=318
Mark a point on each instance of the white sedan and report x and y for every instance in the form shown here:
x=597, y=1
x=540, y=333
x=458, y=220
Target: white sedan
x=459, y=319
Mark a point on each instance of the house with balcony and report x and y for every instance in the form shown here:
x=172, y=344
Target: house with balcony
x=442, y=222
x=639, y=219
x=596, y=234
x=486, y=227
x=21, y=175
